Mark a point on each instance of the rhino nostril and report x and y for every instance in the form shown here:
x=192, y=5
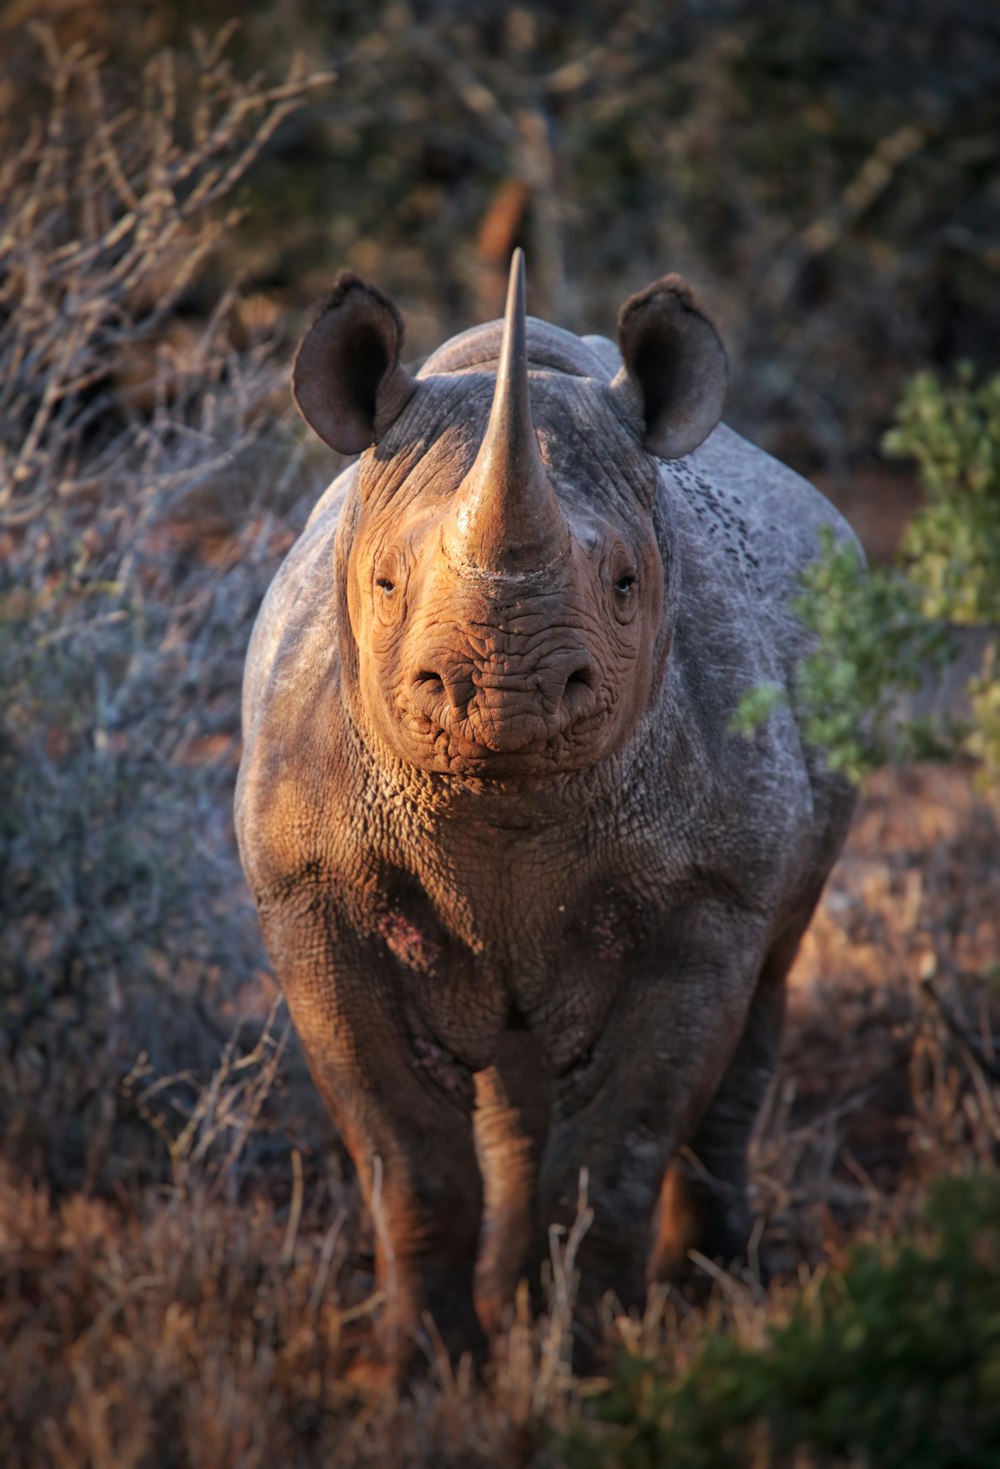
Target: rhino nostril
x=576, y=695
x=437, y=700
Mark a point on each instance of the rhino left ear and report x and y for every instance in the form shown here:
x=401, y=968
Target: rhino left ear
x=347, y=380
x=675, y=364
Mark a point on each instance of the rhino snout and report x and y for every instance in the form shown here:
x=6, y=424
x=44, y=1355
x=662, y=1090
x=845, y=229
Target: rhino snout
x=505, y=710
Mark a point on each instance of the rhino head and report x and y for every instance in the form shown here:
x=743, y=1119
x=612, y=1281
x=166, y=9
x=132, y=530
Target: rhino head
x=508, y=584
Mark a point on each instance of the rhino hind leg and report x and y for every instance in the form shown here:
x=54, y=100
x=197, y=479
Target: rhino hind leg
x=703, y=1201
x=513, y=1109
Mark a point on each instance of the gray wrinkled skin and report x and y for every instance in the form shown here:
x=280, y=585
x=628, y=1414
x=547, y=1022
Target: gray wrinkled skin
x=531, y=904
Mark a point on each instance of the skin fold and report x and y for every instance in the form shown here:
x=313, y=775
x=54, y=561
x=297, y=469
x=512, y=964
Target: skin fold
x=531, y=902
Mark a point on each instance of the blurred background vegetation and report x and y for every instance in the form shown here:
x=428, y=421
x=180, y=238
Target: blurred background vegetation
x=823, y=170
x=180, y=1234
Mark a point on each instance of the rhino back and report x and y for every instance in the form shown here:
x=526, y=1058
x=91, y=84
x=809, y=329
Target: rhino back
x=768, y=514
x=550, y=348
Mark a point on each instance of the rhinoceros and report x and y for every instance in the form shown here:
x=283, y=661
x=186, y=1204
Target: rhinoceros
x=531, y=900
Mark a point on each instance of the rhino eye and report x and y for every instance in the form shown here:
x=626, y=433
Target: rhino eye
x=389, y=589
x=624, y=587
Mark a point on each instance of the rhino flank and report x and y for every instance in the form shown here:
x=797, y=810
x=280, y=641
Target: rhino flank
x=531, y=903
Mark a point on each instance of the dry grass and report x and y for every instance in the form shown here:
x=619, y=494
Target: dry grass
x=185, y=1266
x=212, y=1317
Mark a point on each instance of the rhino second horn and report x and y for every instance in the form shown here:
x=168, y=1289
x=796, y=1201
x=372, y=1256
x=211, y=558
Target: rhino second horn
x=505, y=517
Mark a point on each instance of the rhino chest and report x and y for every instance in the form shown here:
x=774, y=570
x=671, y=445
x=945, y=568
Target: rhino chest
x=522, y=948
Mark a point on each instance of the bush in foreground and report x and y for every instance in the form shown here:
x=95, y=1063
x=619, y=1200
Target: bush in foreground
x=893, y=1362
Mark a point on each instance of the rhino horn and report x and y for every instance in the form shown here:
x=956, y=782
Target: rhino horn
x=505, y=517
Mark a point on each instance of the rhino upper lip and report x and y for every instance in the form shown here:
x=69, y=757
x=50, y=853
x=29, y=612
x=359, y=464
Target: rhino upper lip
x=512, y=719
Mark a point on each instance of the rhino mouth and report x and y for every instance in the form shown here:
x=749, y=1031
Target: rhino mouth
x=501, y=727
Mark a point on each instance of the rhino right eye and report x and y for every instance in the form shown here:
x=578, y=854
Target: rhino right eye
x=385, y=584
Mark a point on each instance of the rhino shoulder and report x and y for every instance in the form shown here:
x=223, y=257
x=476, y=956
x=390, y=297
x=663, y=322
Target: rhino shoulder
x=782, y=515
x=300, y=599
x=292, y=708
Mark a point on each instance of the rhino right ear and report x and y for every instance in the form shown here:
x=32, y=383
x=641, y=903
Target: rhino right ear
x=347, y=381
x=675, y=372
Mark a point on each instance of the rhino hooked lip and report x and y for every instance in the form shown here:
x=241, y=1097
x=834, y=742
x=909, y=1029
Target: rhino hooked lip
x=487, y=714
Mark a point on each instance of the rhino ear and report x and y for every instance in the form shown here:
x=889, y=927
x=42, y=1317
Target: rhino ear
x=347, y=380
x=675, y=366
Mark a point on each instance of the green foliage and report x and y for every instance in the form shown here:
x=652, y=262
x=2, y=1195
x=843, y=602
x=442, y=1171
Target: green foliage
x=983, y=739
x=873, y=640
x=894, y=1362
x=884, y=633
x=952, y=547
x=756, y=707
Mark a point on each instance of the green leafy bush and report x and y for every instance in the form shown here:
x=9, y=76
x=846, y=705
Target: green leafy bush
x=887, y=632
x=952, y=548
x=893, y=1362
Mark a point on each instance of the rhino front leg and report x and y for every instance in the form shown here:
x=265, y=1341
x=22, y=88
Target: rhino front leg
x=405, y=1111
x=513, y=1106
x=675, y=1028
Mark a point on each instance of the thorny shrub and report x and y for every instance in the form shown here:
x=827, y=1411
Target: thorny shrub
x=121, y=639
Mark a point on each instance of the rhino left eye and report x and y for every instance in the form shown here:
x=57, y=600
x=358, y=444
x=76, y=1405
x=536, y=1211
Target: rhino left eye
x=624, y=587
x=389, y=591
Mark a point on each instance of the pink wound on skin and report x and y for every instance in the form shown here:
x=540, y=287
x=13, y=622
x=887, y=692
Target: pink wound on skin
x=409, y=944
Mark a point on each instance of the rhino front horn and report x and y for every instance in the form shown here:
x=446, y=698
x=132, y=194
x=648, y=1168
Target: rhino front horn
x=505, y=517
